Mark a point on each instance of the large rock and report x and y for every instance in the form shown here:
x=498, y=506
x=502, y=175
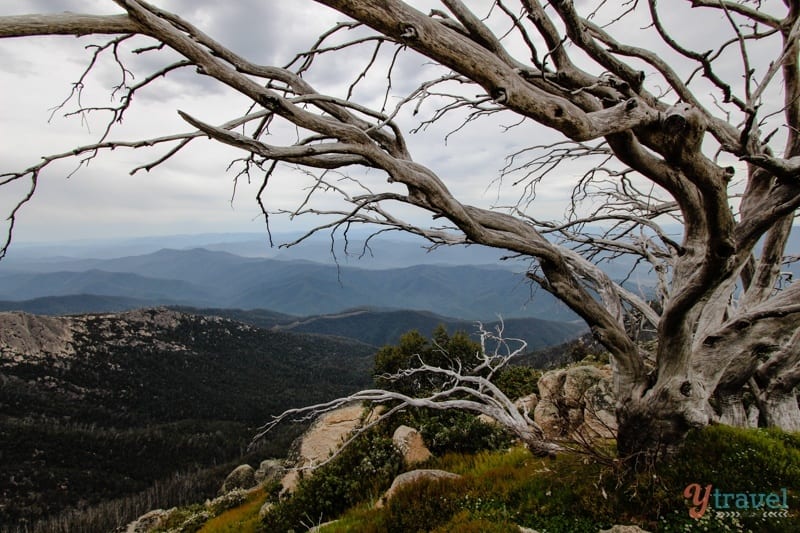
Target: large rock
x=242, y=477
x=413, y=476
x=551, y=385
x=269, y=470
x=409, y=441
x=599, y=418
x=24, y=337
x=549, y=418
x=576, y=400
x=149, y=521
x=527, y=404
x=577, y=381
x=624, y=529
x=325, y=435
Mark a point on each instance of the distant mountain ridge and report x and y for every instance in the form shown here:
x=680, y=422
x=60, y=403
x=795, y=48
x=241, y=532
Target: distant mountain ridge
x=202, y=278
x=74, y=304
x=379, y=327
x=395, y=251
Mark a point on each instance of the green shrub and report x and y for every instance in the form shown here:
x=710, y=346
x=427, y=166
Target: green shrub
x=454, y=431
x=425, y=505
x=360, y=472
x=732, y=460
x=498, y=490
x=455, y=351
x=240, y=519
x=575, y=493
x=518, y=381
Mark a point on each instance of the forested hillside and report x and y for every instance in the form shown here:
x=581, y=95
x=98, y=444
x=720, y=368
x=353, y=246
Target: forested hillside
x=100, y=406
x=385, y=326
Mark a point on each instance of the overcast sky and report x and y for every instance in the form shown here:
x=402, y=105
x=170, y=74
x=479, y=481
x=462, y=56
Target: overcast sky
x=192, y=193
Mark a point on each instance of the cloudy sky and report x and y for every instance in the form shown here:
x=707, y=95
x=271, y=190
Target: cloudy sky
x=192, y=193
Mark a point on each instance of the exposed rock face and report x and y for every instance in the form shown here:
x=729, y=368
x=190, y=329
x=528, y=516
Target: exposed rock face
x=26, y=337
x=577, y=399
x=527, y=403
x=270, y=470
x=413, y=476
x=409, y=441
x=35, y=336
x=321, y=439
x=150, y=521
x=57, y=345
x=599, y=418
x=624, y=529
x=242, y=477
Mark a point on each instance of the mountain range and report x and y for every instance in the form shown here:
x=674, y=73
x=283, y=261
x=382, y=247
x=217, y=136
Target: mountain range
x=124, y=396
x=205, y=278
x=380, y=327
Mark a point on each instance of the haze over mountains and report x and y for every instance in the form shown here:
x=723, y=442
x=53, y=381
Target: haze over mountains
x=199, y=277
x=183, y=390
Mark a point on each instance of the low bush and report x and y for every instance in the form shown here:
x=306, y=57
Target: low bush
x=362, y=471
x=575, y=493
x=455, y=431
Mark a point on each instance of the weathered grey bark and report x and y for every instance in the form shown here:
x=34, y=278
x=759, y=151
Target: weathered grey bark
x=723, y=317
x=732, y=410
x=781, y=411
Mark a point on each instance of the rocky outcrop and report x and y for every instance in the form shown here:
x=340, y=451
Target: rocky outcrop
x=242, y=477
x=576, y=400
x=324, y=436
x=527, y=404
x=25, y=337
x=270, y=470
x=413, y=476
x=409, y=441
x=149, y=521
x=624, y=529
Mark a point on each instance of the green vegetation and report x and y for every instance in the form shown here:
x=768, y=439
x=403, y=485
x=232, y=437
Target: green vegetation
x=502, y=490
x=413, y=349
x=361, y=472
x=239, y=519
x=446, y=430
x=86, y=438
x=503, y=487
x=573, y=493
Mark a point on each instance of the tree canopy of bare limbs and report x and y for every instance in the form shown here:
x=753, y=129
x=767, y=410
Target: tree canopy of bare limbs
x=705, y=137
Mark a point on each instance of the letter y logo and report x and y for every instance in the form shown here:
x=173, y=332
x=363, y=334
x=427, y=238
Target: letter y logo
x=699, y=499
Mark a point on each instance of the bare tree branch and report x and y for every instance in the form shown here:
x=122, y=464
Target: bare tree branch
x=701, y=191
x=470, y=391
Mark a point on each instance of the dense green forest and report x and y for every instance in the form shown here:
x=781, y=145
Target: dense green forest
x=148, y=396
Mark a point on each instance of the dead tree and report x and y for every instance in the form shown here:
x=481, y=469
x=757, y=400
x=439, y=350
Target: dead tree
x=462, y=389
x=705, y=138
